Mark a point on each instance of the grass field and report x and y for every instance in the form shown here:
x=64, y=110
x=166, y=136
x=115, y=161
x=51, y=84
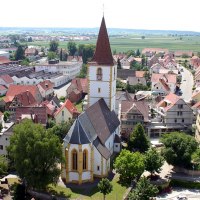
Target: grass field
x=123, y=44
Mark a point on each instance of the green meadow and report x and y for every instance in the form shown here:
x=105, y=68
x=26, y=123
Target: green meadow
x=125, y=43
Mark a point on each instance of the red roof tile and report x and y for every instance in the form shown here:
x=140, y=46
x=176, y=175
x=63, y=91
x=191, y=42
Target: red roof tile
x=2, y=87
x=140, y=74
x=17, y=89
x=46, y=85
x=170, y=78
x=26, y=99
x=7, y=78
x=4, y=60
x=69, y=106
x=103, y=55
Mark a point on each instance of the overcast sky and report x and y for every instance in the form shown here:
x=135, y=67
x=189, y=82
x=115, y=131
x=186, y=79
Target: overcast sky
x=134, y=14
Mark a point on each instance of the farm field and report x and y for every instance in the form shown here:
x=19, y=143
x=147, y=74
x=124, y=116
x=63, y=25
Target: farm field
x=125, y=43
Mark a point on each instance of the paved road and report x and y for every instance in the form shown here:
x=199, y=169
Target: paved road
x=62, y=91
x=187, y=84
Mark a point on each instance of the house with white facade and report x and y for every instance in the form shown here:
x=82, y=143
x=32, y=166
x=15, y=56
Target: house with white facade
x=92, y=139
x=46, y=88
x=70, y=69
x=172, y=114
x=163, y=84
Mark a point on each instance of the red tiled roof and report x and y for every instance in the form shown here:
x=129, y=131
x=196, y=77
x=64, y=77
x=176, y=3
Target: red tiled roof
x=38, y=114
x=17, y=89
x=2, y=87
x=81, y=84
x=26, y=99
x=197, y=105
x=46, y=85
x=103, y=55
x=170, y=78
x=4, y=60
x=164, y=84
x=140, y=74
x=170, y=99
x=7, y=78
x=69, y=106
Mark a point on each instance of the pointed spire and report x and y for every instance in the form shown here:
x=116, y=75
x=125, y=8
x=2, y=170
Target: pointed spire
x=103, y=55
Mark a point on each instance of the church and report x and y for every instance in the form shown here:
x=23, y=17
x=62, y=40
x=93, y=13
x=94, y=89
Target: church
x=94, y=135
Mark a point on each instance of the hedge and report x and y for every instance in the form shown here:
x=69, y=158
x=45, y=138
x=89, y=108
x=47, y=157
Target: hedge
x=184, y=184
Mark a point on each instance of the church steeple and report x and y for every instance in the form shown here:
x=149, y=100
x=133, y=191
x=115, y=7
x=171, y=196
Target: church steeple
x=103, y=54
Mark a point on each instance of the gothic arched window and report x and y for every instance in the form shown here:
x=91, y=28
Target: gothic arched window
x=99, y=74
x=74, y=160
x=85, y=159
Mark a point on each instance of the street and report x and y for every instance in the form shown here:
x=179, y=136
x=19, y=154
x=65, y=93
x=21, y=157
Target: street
x=187, y=84
x=62, y=90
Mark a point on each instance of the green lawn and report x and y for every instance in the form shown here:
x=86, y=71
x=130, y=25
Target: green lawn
x=91, y=192
x=122, y=44
x=79, y=106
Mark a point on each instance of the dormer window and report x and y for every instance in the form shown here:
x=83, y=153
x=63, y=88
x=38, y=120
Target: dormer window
x=99, y=74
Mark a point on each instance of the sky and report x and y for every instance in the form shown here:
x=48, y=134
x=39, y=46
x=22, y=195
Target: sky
x=132, y=14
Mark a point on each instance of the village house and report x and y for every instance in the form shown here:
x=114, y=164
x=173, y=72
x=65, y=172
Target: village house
x=37, y=114
x=172, y=113
x=4, y=60
x=163, y=84
x=195, y=62
x=66, y=112
x=133, y=112
x=77, y=90
x=46, y=89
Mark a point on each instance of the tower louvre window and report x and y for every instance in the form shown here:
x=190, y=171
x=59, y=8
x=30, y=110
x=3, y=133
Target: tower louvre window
x=99, y=74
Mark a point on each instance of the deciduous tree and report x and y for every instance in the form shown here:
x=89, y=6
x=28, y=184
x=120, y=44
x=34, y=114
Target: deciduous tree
x=178, y=148
x=129, y=165
x=71, y=48
x=138, y=139
x=153, y=161
x=144, y=190
x=105, y=187
x=36, y=154
x=53, y=46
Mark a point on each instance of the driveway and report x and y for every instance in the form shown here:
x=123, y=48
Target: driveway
x=187, y=84
x=61, y=91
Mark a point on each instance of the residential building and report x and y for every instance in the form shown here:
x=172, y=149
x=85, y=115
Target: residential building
x=136, y=80
x=92, y=139
x=125, y=73
x=4, y=60
x=14, y=90
x=163, y=83
x=195, y=62
x=3, y=90
x=37, y=114
x=77, y=90
x=46, y=89
x=172, y=113
x=133, y=112
x=5, y=135
x=66, y=112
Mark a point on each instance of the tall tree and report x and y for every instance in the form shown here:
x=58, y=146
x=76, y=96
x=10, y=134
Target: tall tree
x=71, y=48
x=178, y=148
x=138, y=139
x=105, y=187
x=19, y=54
x=51, y=55
x=138, y=52
x=86, y=51
x=119, y=66
x=153, y=161
x=144, y=190
x=129, y=165
x=61, y=55
x=53, y=46
x=36, y=154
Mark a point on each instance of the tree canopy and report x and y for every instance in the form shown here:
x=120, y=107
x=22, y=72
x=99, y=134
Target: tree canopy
x=138, y=139
x=129, y=165
x=71, y=48
x=144, y=190
x=86, y=51
x=19, y=54
x=36, y=154
x=178, y=148
x=53, y=46
x=51, y=55
x=3, y=165
x=105, y=187
x=153, y=161
x=83, y=71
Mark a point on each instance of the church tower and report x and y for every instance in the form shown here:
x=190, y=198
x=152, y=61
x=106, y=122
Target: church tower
x=102, y=72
